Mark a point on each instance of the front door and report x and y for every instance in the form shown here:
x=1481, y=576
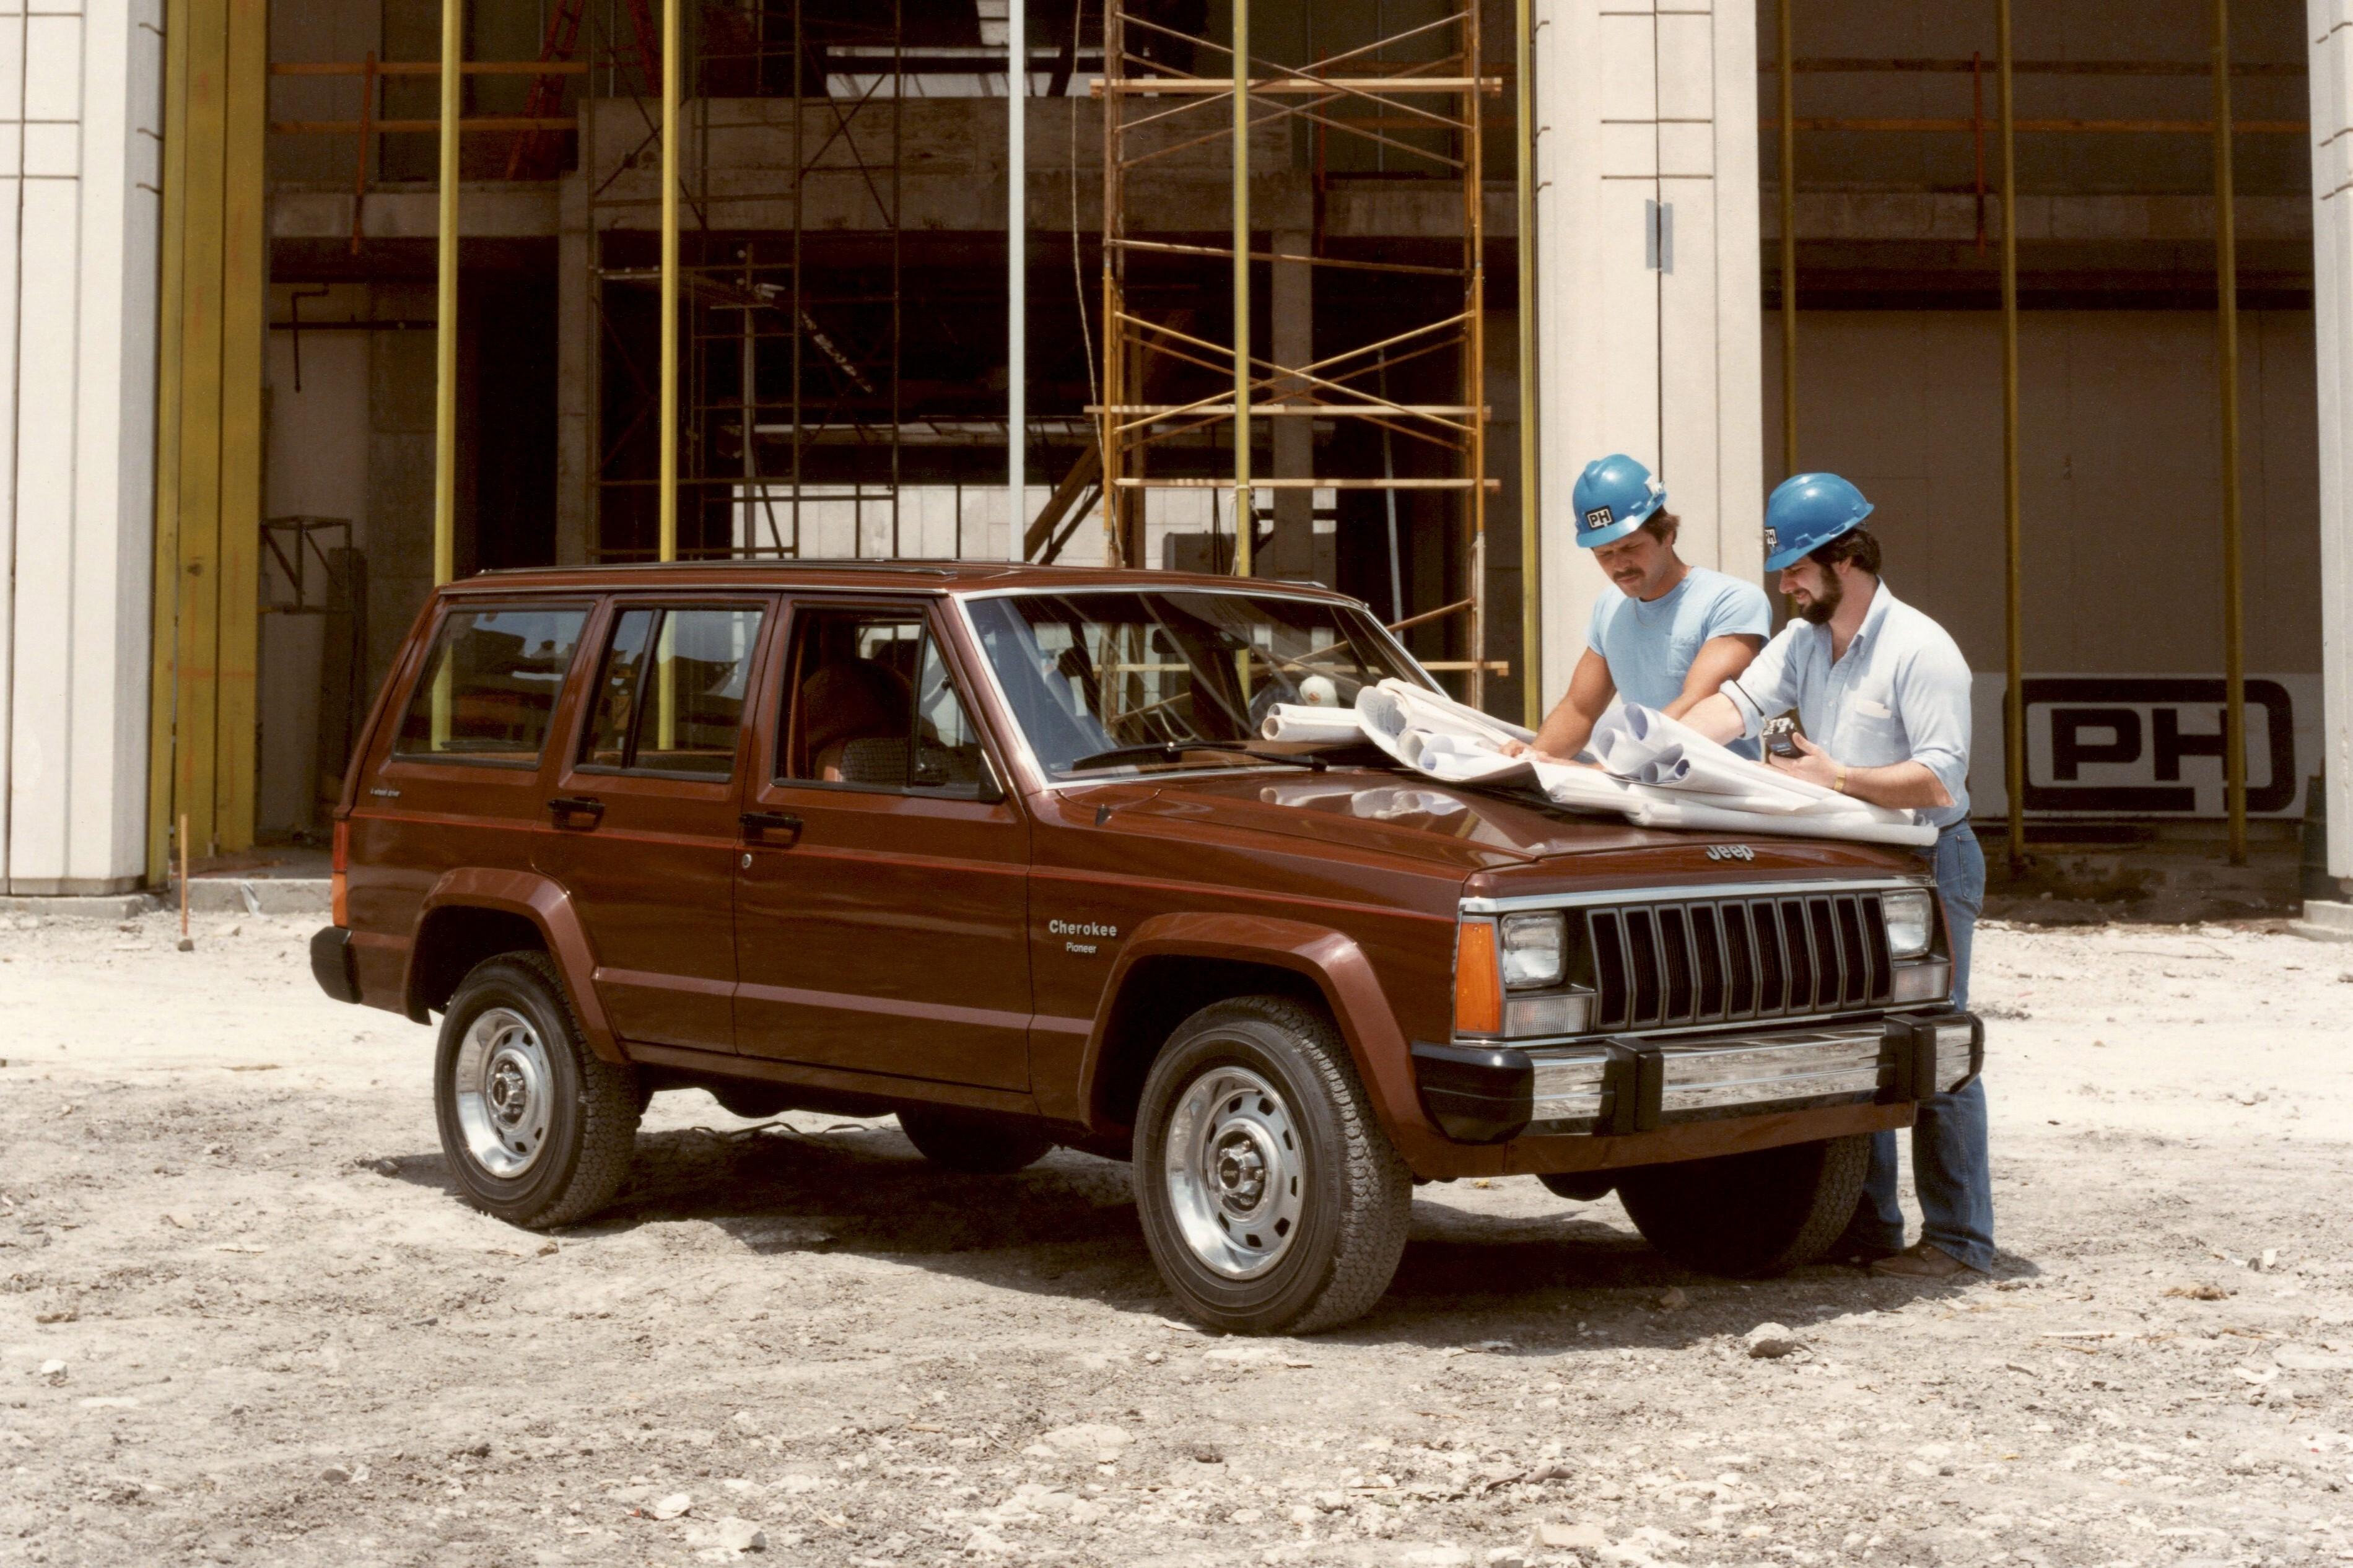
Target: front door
x=645, y=814
x=880, y=907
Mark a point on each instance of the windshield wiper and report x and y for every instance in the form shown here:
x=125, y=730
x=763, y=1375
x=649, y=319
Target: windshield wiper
x=1169, y=751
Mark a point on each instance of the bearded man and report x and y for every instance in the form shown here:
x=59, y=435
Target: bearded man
x=1883, y=694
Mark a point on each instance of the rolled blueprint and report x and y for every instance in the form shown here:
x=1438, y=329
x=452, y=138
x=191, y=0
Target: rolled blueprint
x=1653, y=812
x=1644, y=745
x=1462, y=758
x=1434, y=710
x=1655, y=772
x=1290, y=721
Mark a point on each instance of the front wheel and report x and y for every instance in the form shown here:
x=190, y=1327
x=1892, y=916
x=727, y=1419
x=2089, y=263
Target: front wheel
x=1746, y=1214
x=536, y=1128
x=1270, y=1198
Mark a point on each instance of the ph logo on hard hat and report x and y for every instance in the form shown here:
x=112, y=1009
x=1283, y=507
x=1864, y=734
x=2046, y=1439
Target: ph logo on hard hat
x=1806, y=512
x=1614, y=495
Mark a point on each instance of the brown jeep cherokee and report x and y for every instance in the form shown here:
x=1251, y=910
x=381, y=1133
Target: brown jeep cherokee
x=996, y=849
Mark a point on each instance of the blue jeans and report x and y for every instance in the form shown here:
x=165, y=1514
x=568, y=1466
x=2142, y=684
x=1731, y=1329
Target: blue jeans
x=1949, y=1168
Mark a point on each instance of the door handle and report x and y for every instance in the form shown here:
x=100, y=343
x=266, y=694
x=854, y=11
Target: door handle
x=757, y=824
x=568, y=806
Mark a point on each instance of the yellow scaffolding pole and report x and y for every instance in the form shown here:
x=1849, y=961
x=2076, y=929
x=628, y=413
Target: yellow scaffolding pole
x=1245, y=518
x=2226, y=321
x=445, y=325
x=667, y=499
x=171, y=323
x=1790, y=249
x=2013, y=708
x=1531, y=583
x=244, y=272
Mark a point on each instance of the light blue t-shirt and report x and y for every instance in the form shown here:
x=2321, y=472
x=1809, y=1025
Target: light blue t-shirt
x=1649, y=646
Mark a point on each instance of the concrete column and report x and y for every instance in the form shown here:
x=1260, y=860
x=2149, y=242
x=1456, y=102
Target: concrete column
x=77, y=257
x=1294, y=551
x=1646, y=281
x=575, y=376
x=2332, y=301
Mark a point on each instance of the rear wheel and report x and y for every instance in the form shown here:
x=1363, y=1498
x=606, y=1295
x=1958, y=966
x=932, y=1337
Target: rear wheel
x=970, y=1144
x=1750, y=1214
x=535, y=1126
x=1270, y=1198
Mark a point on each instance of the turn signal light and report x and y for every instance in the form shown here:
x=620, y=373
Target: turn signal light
x=1478, y=982
x=339, y=879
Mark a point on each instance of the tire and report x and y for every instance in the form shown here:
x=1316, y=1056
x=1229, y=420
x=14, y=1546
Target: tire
x=1271, y=1200
x=1748, y=1215
x=536, y=1128
x=970, y=1144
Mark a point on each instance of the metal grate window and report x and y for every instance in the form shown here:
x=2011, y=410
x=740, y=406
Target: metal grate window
x=1664, y=965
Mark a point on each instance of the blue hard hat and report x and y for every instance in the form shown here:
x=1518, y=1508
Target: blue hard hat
x=1613, y=496
x=1806, y=512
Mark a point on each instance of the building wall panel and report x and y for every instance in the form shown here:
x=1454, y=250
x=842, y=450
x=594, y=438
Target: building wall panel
x=79, y=91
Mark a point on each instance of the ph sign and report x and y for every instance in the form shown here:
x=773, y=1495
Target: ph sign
x=2145, y=745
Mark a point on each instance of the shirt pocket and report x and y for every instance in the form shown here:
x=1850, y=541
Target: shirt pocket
x=1877, y=735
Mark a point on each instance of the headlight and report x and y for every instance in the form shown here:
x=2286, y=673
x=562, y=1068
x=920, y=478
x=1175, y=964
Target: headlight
x=1911, y=921
x=1534, y=951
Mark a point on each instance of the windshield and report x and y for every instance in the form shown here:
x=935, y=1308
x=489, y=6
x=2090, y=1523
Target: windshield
x=1108, y=682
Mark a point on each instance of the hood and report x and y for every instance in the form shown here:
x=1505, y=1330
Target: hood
x=1473, y=830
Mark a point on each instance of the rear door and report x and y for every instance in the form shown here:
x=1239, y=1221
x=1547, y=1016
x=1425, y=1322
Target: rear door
x=882, y=902
x=458, y=770
x=644, y=809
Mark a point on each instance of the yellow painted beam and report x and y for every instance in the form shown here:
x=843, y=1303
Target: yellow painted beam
x=445, y=330
x=244, y=320
x=163, y=692
x=1245, y=510
x=667, y=502
x=196, y=728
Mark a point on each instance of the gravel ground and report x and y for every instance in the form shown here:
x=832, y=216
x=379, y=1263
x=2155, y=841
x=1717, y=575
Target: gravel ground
x=244, y=1320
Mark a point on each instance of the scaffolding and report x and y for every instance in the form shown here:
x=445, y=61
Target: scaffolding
x=790, y=382
x=1414, y=95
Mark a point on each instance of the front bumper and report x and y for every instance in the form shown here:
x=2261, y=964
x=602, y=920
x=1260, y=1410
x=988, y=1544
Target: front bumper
x=1622, y=1086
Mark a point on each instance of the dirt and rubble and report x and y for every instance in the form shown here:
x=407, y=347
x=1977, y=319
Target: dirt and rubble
x=243, y=1319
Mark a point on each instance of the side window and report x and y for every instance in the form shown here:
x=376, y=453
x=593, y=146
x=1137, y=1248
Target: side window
x=948, y=748
x=490, y=686
x=670, y=693
x=873, y=705
x=616, y=689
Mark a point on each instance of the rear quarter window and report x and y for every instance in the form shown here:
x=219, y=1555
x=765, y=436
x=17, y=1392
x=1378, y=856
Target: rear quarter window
x=489, y=687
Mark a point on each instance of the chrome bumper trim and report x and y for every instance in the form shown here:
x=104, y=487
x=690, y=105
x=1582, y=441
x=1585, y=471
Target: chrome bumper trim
x=1737, y=1075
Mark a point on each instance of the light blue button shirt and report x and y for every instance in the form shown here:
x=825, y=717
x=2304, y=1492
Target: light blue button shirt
x=1900, y=695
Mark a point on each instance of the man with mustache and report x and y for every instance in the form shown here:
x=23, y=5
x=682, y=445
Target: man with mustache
x=1882, y=693
x=1674, y=633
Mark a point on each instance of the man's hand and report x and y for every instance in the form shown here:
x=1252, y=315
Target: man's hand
x=1907, y=785
x=1535, y=754
x=1811, y=764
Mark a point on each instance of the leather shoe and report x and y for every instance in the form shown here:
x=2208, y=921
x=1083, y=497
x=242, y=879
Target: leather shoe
x=1921, y=1261
x=1856, y=1253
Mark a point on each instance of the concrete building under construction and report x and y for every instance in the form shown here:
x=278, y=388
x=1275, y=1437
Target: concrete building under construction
x=2038, y=287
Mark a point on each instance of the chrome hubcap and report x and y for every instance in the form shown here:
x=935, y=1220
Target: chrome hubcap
x=504, y=1093
x=1236, y=1171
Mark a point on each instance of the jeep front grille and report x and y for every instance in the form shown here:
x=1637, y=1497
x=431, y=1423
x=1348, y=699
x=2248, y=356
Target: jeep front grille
x=1708, y=961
